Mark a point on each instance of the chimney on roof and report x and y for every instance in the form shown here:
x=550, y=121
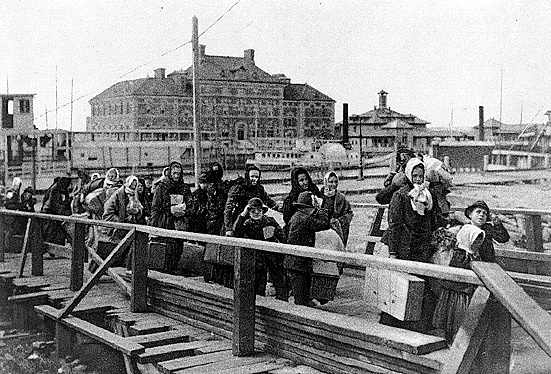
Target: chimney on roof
x=345, y=139
x=481, y=123
x=382, y=99
x=249, y=56
x=160, y=73
x=282, y=78
x=202, y=49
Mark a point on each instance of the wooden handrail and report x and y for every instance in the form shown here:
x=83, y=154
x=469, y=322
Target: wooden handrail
x=358, y=259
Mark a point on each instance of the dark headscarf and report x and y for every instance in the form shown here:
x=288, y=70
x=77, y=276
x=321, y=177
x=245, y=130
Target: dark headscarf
x=295, y=187
x=248, y=172
x=216, y=172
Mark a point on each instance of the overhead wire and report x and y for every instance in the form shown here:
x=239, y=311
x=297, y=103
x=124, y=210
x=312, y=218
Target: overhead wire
x=144, y=64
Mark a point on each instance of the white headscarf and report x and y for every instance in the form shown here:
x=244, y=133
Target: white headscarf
x=466, y=237
x=107, y=183
x=421, y=198
x=128, y=183
x=326, y=177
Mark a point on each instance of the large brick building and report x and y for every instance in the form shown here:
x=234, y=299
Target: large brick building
x=239, y=103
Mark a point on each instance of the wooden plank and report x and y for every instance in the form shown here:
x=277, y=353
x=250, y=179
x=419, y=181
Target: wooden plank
x=299, y=369
x=113, y=340
x=77, y=258
x=161, y=338
x=232, y=365
x=147, y=327
x=111, y=272
x=170, y=366
x=64, y=339
x=258, y=368
x=244, y=302
x=25, y=249
x=113, y=256
x=169, y=352
x=37, y=250
x=138, y=295
x=470, y=335
x=522, y=307
x=375, y=230
x=215, y=346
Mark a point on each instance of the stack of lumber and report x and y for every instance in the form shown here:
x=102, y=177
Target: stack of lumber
x=326, y=341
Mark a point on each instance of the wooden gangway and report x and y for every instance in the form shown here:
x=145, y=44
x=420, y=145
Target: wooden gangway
x=252, y=322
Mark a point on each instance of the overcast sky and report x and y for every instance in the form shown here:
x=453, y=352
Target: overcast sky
x=430, y=56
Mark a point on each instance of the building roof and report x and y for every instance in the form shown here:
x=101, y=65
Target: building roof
x=382, y=116
x=397, y=124
x=228, y=68
x=303, y=92
x=145, y=86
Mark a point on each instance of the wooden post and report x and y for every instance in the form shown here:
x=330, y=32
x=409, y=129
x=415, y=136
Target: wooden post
x=534, y=236
x=470, y=334
x=197, y=156
x=25, y=249
x=375, y=230
x=37, y=249
x=77, y=257
x=2, y=238
x=64, y=340
x=138, y=296
x=494, y=355
x=244, y=302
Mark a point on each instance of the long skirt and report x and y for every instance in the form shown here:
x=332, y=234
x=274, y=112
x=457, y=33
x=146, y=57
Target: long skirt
x=450, y=311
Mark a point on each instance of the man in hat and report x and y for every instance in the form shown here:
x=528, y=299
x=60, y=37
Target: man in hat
x=252, y=223
x=307, y=220
x=479, y=214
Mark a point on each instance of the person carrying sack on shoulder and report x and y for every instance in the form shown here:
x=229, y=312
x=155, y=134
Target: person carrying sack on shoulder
x=252, y=223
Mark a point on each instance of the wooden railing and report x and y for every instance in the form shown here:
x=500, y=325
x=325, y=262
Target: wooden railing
x=484, y=326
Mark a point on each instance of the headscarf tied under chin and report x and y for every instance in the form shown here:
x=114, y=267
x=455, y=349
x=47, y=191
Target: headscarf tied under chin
x=128, y=185
x=467, y=236
x=421, y=199
x=326, y=191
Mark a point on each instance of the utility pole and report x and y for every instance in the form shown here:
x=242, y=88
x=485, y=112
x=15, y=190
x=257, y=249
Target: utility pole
x=361, y=177
x=56, y=97
x=196, y=101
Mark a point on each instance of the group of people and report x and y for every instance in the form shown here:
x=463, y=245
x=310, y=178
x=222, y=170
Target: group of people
x=420, y=228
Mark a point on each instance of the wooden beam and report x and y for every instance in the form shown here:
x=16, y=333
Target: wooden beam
x=112, y=273
x=244, y=302
x=534, y=237
x=25, y=249
x=77, y=257
x=522, y=307
x=2, y=238
x=470, y=335
x=138, y=295
x=37, y=249
x=113, y=256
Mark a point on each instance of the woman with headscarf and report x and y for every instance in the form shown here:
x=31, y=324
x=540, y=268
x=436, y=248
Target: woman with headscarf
x=170, y=209
x=411, y=222
x=300, y=182
x=339, y=209
x=397, y=178
x=238, y=198
x=122, y=206
x=57, y=201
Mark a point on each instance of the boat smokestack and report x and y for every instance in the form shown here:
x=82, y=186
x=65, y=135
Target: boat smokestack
x=345, y=123
x=481, y=123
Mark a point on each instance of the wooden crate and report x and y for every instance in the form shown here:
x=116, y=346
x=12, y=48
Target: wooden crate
x=395, y=293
